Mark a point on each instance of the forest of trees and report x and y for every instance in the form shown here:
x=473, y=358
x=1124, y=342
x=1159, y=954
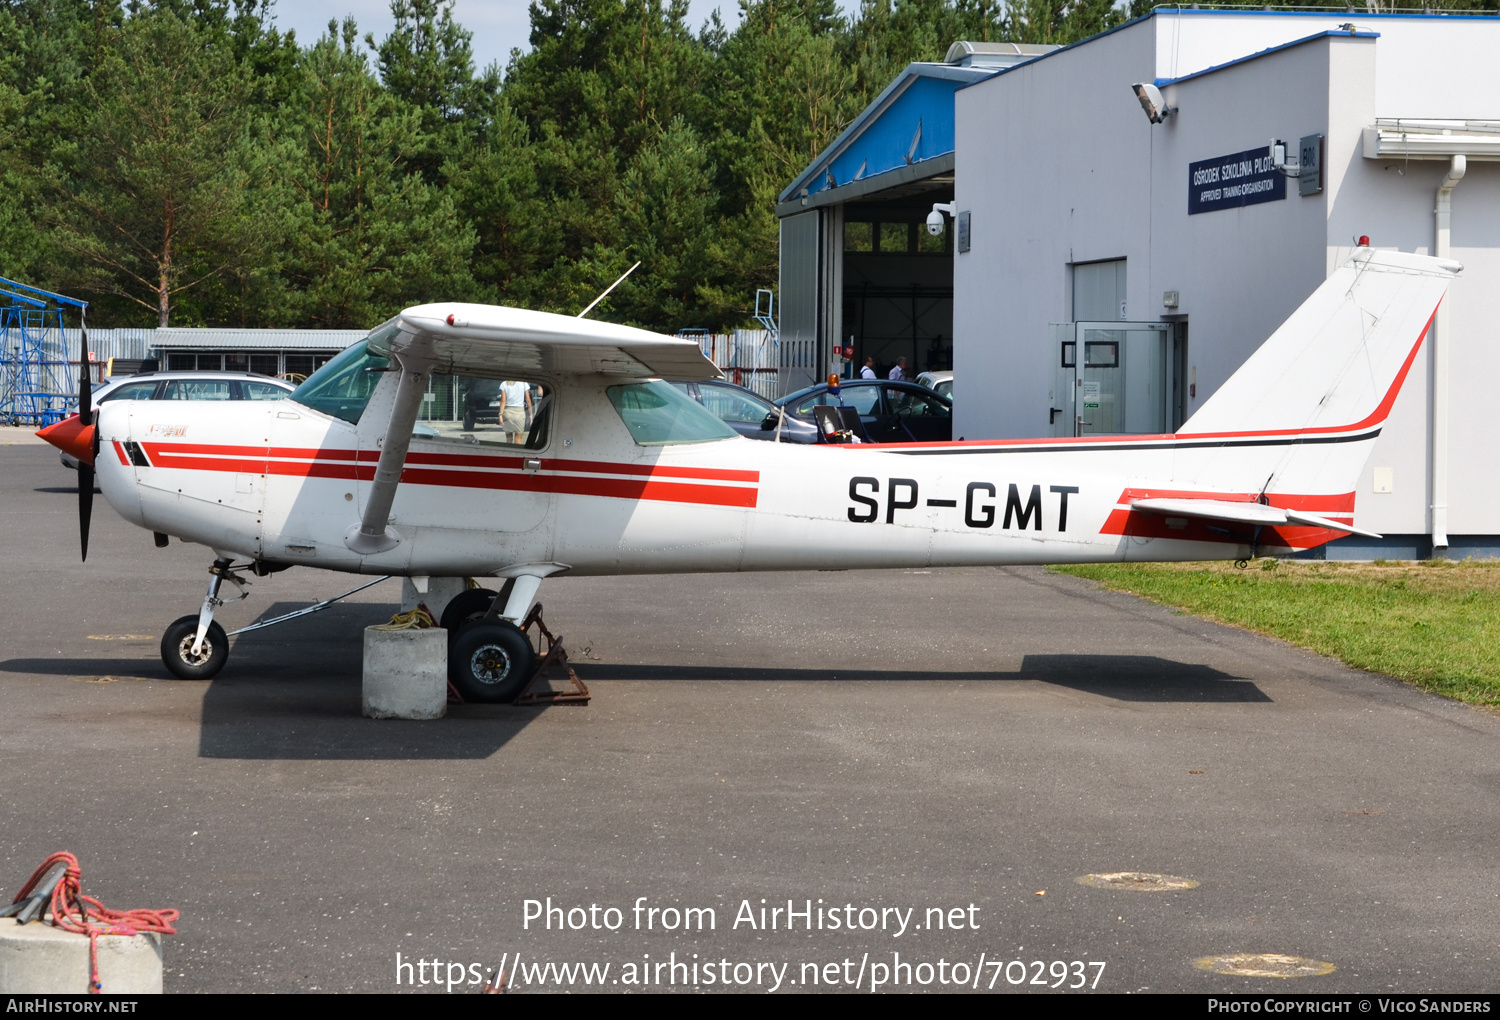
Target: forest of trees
x=184, y=162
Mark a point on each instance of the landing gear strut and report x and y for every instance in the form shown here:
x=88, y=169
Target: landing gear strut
x=196, y=648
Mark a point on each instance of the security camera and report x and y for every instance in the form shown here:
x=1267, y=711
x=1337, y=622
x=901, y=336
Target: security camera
x=935, y=222
x=1152, y=102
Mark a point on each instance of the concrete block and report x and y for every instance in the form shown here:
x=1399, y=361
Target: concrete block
x=406, y=673
x=440, y=591
x=38, y=959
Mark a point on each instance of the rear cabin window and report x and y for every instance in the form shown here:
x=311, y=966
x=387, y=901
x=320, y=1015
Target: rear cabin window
x=728, y=404
x=658, y=414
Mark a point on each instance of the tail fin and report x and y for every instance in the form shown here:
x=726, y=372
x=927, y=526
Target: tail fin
x=1300, y=417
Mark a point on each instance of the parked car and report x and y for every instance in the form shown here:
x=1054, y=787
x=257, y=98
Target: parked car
x=940, y=383
x=747, y=412
x=890, y=412
x=188, y=386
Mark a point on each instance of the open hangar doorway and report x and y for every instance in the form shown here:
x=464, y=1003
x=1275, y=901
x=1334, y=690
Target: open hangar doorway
x=897, y=280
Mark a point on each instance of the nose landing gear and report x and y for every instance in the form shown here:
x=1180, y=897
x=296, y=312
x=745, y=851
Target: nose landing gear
x=177, y=649
x=194, y=647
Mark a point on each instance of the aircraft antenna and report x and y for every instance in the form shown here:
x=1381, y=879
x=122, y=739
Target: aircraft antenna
x=611, y=287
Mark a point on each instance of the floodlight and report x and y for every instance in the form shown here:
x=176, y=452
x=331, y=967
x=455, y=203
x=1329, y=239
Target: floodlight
x=1152, y=102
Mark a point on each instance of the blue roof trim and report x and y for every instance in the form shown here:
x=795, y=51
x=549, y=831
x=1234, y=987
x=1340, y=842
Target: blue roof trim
x=1236, y=13
x=1268, y=51
x=1329, y=13
x=880, y=138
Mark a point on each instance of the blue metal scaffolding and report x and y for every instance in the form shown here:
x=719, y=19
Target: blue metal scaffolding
x=38, y=384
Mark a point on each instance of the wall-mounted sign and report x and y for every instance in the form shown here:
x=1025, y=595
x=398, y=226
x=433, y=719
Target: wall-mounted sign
x=1310, y=162
x=1227, y=182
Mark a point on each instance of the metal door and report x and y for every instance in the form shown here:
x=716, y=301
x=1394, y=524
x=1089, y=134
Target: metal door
x=1116, y=374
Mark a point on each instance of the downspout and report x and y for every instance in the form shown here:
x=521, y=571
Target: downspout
x=1439, y=339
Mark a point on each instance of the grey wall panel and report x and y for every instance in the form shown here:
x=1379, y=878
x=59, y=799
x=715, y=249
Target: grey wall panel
x=1098, y=291
x=799, y=276
x=801, y=271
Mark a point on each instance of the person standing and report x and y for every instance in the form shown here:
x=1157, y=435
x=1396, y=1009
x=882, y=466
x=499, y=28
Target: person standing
x=515, y=408
x=898, y=371
x=868, y=372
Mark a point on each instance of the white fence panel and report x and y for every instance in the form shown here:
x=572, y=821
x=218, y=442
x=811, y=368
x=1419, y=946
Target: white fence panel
x=753, y=358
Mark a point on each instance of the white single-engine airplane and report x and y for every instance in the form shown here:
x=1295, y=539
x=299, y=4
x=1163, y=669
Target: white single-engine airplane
x=619, y=473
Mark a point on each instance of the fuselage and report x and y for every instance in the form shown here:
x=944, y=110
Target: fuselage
x=281, y=482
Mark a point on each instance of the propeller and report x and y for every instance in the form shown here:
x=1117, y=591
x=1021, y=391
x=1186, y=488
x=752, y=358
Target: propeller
x=86, y=420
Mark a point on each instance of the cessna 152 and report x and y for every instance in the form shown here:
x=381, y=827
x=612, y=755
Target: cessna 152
x=619, y=473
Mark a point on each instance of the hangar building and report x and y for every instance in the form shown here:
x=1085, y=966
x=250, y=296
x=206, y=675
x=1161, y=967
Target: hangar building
x=856, y=264
x=1112, y=272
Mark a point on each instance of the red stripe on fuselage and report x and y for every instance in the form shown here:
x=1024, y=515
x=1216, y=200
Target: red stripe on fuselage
x=505, y=473
x=514, y=463
x=618, y=488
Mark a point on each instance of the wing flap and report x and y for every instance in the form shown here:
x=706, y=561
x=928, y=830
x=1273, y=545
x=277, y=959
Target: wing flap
x=1243, y=513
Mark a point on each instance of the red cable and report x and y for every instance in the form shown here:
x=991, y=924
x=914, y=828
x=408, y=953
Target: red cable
x=72, y=911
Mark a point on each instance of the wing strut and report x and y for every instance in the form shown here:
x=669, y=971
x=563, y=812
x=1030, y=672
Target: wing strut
x=374, y=535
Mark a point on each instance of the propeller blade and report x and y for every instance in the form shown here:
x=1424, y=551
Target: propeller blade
x=86, y=418
x=85, y=505
x=85, y=384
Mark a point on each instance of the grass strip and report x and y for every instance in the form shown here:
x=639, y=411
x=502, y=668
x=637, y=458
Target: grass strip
x=1434, y=624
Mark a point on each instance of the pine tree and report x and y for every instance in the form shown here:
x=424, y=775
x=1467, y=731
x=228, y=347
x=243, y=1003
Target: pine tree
x=368, y=235
x=495, y=188
x=160, y=188
x=427, y=63
x=664, y=214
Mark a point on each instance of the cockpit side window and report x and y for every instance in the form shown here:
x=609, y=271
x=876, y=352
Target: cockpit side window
x=491, y=412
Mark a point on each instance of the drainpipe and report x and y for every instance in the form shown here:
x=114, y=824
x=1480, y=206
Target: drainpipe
x=1439, y=339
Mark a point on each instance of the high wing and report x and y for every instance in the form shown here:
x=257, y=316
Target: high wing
x=1242, y=513
x=464, y=339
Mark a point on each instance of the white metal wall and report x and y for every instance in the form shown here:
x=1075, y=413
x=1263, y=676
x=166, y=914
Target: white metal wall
x=1113, y=186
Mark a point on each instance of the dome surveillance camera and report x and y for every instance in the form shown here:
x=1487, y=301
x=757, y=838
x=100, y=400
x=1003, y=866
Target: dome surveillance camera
x=935, y=222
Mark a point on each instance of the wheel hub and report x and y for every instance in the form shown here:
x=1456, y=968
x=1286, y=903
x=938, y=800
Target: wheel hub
x=185, y=651
x=490, y=664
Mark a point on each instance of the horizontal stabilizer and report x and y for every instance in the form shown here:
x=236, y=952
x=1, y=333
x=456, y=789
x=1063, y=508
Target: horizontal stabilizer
x=1243, y=513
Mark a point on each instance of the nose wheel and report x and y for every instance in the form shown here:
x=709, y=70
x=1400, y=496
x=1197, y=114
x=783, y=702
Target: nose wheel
x=188, y=663
x=194, y=647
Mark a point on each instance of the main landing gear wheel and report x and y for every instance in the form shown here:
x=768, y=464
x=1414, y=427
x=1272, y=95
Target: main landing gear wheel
x=467, y=605
x=177, y=649
x=491, y=662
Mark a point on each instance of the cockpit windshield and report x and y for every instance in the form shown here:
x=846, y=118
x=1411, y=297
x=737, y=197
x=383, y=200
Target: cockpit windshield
x=343, y=387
